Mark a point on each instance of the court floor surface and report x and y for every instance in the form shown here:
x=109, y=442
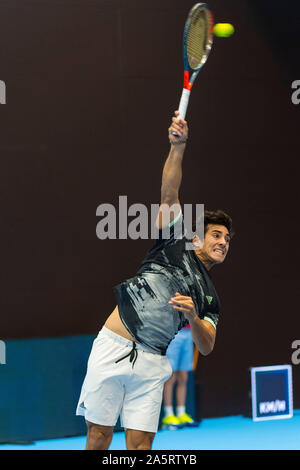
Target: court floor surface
x=228, y=433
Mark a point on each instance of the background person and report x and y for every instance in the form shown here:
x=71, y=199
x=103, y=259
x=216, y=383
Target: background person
x=180, y=353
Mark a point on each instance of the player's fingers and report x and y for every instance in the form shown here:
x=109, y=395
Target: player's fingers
x=180, y=307
x=188, y=307
x=182, y=297
x=176, y=127
x=177, y=301
x=176, y=130
x=176, y=121
x=179, y=130
x=180, y=121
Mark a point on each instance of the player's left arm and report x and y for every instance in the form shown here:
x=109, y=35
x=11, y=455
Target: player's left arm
x=203, y=332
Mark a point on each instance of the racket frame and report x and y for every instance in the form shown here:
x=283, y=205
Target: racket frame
x=188, y=80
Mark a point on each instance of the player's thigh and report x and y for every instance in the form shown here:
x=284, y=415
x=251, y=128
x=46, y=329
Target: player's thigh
x=142, y=402
x=139, y=440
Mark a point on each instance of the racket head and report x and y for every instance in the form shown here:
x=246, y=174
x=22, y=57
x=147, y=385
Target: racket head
x=197, y=37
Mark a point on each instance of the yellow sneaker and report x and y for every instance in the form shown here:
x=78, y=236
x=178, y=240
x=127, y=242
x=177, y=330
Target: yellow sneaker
x=172, y=423
x=187, y=420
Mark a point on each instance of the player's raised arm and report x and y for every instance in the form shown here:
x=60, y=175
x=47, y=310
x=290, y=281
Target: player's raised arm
x=172, y=172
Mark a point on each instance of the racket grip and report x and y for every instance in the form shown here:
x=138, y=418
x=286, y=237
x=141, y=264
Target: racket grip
x=184, y=101
x=183, y=105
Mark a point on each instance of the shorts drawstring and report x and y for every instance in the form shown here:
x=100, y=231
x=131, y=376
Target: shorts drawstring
x=133, y=355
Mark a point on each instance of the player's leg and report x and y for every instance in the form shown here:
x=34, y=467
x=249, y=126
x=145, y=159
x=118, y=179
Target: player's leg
x=102, y=392
x=143, y=398
x=98, y=437
x=139, y=440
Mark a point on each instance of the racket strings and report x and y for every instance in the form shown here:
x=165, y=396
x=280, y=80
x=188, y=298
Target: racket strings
x=197, y=39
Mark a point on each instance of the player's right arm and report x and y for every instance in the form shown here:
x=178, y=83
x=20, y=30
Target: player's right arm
x=172, y=173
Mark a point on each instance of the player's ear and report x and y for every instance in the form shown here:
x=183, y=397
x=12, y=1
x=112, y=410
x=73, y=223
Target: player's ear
x=198, y=243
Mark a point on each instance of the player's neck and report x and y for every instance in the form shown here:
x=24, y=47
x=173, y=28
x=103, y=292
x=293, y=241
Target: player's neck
x=204, y=259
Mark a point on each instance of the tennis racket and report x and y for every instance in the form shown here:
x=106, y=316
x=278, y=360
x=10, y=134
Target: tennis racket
x=197, y=44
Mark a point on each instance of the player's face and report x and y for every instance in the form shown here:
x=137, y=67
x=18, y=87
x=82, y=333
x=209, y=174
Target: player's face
x=215, y=246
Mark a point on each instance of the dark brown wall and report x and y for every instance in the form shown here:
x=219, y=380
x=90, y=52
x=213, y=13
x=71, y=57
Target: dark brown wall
x=91, y=87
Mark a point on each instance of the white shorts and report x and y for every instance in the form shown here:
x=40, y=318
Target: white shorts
x=111, y=389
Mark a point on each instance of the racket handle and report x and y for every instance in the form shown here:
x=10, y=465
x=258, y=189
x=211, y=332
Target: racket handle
x=184, y=101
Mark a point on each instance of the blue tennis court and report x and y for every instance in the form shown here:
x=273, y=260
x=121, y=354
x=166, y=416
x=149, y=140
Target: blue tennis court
x=228, y=433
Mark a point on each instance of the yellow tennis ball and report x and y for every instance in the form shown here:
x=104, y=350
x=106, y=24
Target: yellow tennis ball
x=223, y=30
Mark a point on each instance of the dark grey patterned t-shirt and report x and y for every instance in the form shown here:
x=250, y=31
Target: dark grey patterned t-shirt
x=167, y=268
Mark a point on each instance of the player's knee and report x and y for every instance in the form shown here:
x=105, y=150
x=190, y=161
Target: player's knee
x=140, y=441
x=98, y=437
x=145, y=444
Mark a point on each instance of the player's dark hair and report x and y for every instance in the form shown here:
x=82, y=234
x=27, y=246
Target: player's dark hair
x=217, y=217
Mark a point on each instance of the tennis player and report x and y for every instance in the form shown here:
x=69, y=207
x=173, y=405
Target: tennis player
x=128, y=366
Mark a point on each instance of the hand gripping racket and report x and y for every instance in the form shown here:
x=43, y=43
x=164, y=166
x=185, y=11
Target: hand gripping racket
x=197, y=44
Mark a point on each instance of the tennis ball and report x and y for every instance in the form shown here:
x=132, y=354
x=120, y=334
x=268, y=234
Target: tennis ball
x=223, y=30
